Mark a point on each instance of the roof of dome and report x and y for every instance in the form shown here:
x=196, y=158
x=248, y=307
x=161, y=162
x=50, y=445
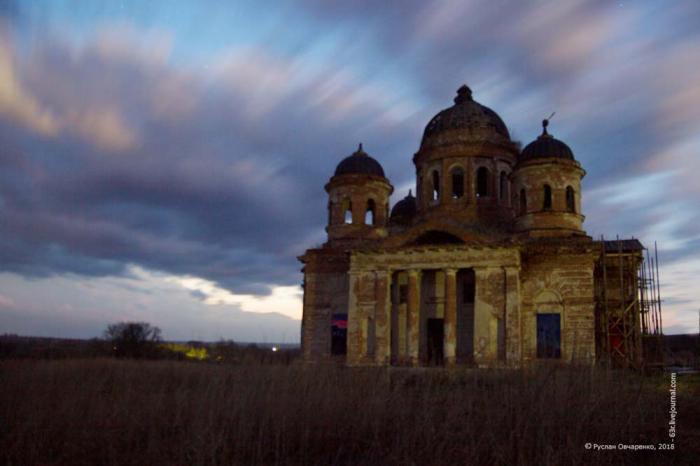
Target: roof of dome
x=359, y=163
x=478, y=121
x=405, y=208
x=546, y=146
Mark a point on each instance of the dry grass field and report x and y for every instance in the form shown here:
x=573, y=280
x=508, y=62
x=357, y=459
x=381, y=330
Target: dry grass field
x=110, y=412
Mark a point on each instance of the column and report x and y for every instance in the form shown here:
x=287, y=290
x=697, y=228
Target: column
x=513, y=336
x=483, y=315
x=450, y=320
x=354, y=336
x=359, y=207
x=413, y=312
x=495, y=185
x=445, y=184
x=382, y=316
x=469, y=179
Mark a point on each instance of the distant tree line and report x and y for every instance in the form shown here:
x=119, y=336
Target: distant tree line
x=141, y=340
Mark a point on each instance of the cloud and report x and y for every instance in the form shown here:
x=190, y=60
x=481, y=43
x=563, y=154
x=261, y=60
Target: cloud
x=102, y=125
x=119, y=150
x=6, y=303
x=105, y=127
x=122, y=42
x=16, y=102
x=82, y=307
x=201, y=186
x=285, y=300
x=679, y=295
x=677, y=89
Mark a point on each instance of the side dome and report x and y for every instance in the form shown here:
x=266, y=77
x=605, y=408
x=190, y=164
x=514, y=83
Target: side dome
x=359, y=163
x=473, y=122
x=546, y=146
x=404, y=210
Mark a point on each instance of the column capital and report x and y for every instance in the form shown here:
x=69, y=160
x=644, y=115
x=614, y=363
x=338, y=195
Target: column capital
x=382, y=272
x=413, y=272
x=481, y=269
x=450, y=270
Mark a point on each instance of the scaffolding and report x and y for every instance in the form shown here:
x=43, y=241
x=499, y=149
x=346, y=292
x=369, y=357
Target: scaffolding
x=629, y=329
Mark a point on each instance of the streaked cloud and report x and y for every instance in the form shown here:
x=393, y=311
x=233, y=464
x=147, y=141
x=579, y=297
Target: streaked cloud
x=16, y=102
x=193, y=141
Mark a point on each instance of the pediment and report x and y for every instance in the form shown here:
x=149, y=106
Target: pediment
x=439, y=233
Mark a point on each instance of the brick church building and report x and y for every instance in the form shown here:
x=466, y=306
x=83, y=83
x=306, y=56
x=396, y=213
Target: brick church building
x=487, y=265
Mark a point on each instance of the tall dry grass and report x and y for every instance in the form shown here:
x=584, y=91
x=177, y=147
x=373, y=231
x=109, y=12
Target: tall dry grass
x=108, y=412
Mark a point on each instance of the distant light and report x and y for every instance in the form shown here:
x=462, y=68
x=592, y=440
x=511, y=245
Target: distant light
x=274, y=348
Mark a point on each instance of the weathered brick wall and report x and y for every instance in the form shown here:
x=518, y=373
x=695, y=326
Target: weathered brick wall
x=555, y=220
x=362, y=329
x=509, y=292
x=488, y=308
x=358, y=190
x=559, y=281
x=491, y=209
x=325, y=294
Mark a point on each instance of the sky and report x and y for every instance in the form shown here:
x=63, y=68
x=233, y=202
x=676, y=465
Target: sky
x=164, y=161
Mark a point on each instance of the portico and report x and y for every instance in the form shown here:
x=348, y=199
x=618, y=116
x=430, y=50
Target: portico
x=434, y=306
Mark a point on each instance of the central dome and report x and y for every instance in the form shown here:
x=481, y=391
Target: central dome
x=466, y=121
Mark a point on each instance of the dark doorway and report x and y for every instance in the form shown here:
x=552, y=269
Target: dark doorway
x=548, y=336
x=436, y=337
x=466, y=291
x=339, y=334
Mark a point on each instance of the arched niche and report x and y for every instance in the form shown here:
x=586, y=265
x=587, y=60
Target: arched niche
x=548, y=300
x=437, y=237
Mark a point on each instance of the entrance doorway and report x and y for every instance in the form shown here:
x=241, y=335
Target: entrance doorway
x=548, y=336
x=436, y=338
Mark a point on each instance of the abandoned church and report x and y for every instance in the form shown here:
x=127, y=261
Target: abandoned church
x=487, y=265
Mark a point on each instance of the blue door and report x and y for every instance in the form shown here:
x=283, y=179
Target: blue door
x=548, y=336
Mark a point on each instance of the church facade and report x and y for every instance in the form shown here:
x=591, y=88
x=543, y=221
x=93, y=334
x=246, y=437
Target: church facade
x=487, y=265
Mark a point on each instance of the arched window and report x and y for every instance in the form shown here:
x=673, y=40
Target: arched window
x=523, y=202
x=347, y=211
x=570, y=199
x=547, y=203
x=436, y=185
x=482, y=182
x=503, y=192
x=369, y=213
x=457, y=183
